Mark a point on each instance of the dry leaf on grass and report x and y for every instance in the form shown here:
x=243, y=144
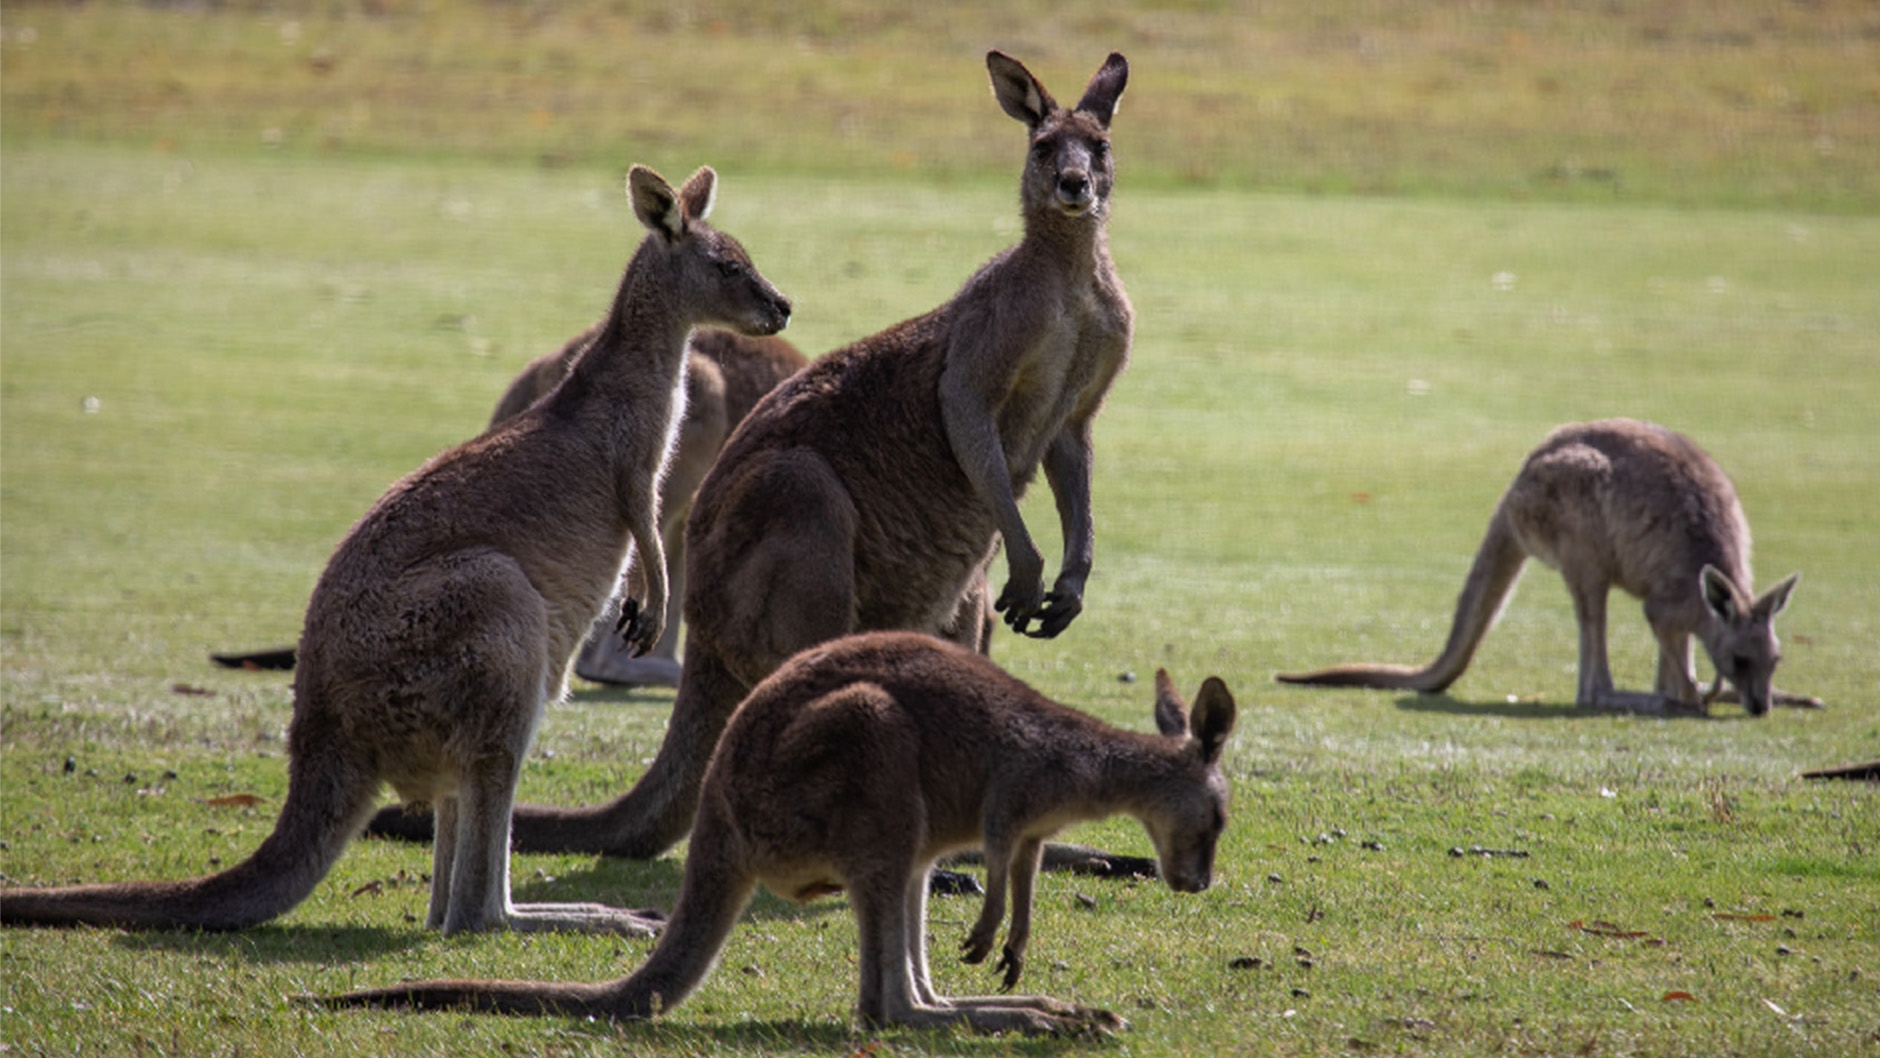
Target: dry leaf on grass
x=1606, y=929
x=234, y=800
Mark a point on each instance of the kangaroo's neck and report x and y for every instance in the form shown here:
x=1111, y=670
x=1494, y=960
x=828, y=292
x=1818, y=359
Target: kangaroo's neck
x=1103, y=771
x=639, y=349
x=1080, y=244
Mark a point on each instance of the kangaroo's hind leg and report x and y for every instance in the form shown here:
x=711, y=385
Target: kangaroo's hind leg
x=1596, y=691
x=480, y=897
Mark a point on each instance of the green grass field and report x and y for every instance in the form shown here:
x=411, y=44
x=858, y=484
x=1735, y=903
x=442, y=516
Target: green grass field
x=216, y=352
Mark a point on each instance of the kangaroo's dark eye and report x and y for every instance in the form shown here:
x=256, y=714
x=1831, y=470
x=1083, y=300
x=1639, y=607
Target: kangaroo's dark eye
x=727, y=267
x=1100, y=149
x=1042, y=150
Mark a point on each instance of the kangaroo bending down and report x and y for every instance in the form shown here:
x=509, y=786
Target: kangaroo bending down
x=726, y=373
x=450, y=611
x=854, y=767
x=1632, y=504
x=871, y=489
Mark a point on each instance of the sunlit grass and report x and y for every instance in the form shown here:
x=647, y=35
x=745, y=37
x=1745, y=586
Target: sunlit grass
x=1326, y=397
x=1749, y=102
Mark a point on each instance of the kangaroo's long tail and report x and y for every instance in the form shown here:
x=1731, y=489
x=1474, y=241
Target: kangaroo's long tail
x=536, y=998
x=1491, y=581
x=714, y=893
x=325, y=806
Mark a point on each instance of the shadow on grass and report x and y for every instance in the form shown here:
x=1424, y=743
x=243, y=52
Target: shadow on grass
x=650, y=884
x=1531, y=710
x=615, y=694
x=284, y=944
x=839, y=1034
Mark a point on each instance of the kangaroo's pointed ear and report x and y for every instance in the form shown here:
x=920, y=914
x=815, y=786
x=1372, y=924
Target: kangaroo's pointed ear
x=700, y=193
x=1722, y=596
x=1171, y=713
x=1776, y=599
x=1105, y=89
x=1213, y=718
x=1019, y=93
x=655, y=202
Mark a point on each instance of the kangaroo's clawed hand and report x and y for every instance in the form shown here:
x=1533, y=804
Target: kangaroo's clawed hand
x=1053, y=611
x=976, y=947
x=1012, y=964
x=639, y=626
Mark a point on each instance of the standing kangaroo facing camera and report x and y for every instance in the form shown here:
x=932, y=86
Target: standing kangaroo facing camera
x=854, y=767
x=1632, y=504
x=871, y=489
x=450, y=611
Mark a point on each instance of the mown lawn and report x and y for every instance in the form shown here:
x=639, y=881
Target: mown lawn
x=217, y=352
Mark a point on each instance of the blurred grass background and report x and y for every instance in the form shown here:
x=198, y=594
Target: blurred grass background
x=1744, y=102
x=256, y=261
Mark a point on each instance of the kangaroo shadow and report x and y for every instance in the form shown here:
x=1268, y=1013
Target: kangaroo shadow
x=1526, y=709
x=650, y=884
x=838, y=1034
x=283, y=944
x=618, y=694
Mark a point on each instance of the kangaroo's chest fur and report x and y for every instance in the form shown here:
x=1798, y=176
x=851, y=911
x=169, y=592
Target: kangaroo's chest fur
x=1067, y=338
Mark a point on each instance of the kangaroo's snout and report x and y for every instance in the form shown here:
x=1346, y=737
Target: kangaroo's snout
x=773, y=317
x=1073, y=191
x=1190, y=885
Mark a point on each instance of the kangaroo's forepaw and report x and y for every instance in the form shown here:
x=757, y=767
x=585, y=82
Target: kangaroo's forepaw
x=1012, y=964
x=639, y=627
x=975, y=948
x=1057, y=613
x=629, y=616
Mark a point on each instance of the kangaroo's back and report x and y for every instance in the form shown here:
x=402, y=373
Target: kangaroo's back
x=851, y=768
x=1630, y=504
x=1635, y=498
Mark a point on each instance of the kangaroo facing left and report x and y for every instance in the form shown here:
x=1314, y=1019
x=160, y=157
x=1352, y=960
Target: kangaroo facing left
x=853, y=767
x=450, y=612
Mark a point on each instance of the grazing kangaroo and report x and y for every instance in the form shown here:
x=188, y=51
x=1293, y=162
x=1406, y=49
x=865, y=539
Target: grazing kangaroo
x=450, y=612
x=1627, y=503
x=855, y=766
x=871, y=489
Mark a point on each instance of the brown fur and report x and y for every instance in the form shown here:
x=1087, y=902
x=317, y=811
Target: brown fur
x=1631, y=504
x=449, y=613
x=726, y=374
x=871, y=489
x=855, y=766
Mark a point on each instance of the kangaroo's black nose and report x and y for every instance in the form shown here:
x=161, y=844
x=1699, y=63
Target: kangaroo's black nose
x=1073, y=185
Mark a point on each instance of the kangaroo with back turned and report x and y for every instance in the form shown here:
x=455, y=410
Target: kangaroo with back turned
x=1632, y=504
x=871, y=489
x=449, y=613
x=852, y=768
